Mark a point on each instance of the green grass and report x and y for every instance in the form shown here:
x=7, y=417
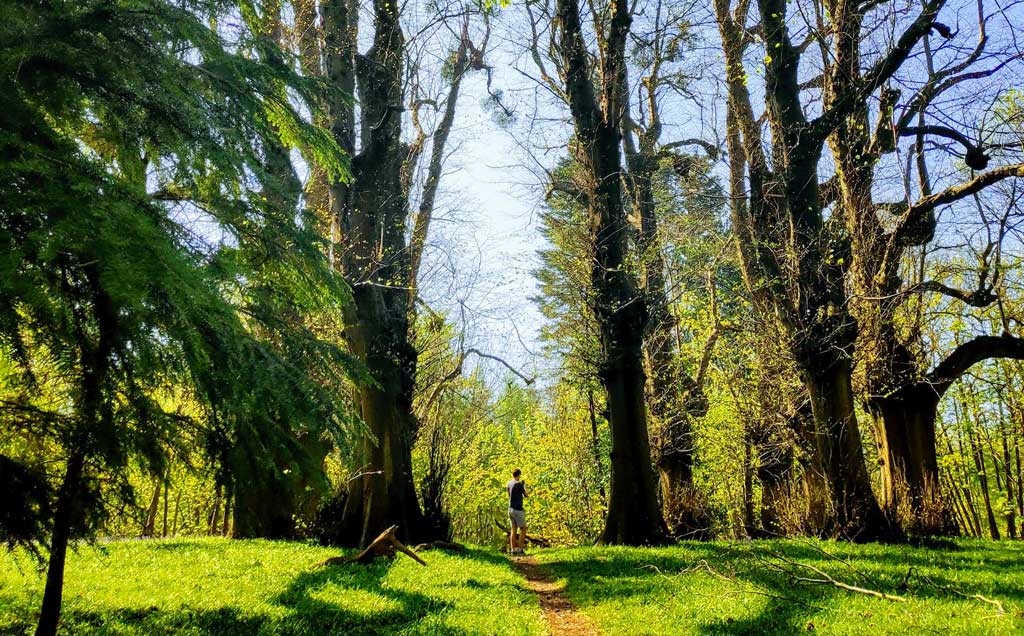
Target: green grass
x=749, y=589
x=218, y=587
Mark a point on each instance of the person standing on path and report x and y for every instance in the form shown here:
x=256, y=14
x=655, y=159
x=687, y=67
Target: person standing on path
x=516, y=515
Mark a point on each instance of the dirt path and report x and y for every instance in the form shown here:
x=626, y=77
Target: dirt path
x=559, y=613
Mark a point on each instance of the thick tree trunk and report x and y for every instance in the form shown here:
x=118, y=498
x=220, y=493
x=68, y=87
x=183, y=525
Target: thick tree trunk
x=905, y=429
x=370, y=215
x=63, y=521
x=264, y=507
x=383, y=492
x=683, y=509
x=634, y=516
x=856, y=511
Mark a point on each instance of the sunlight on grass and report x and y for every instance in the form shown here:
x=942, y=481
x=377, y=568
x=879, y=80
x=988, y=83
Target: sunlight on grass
x=218, y=587
x=743, y=588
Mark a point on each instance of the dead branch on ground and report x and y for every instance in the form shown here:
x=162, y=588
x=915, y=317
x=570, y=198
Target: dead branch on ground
x=385, y=545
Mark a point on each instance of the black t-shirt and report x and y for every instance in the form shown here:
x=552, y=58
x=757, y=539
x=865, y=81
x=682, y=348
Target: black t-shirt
x=515, y=495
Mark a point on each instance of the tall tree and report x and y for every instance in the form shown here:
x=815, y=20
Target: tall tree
x=800, y=258
x=785, y=248
x=886, y=242
x=370, y=222
x=116, y=142
x=634, y=515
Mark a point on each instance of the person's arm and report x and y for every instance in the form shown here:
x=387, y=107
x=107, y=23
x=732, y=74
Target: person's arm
x=524, y=490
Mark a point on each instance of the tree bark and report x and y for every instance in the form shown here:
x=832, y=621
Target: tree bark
x=857, y=513
x=905, y=427
x=63, y=521
x=372, y=210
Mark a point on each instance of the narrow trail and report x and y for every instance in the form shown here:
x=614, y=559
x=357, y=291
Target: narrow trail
x=560, y=614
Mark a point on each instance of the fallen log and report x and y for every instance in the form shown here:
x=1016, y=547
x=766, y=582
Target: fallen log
x=385, y=545
x=535, y=540
x=440, y=545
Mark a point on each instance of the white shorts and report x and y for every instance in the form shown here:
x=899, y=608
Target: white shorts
x=517, y=518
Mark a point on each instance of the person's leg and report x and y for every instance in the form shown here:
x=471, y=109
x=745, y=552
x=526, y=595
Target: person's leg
x=522, y=538
x=511, y=535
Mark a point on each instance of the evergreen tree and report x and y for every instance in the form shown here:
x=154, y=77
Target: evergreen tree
x=145, y=263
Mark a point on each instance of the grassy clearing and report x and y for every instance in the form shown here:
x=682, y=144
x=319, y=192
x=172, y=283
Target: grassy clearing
x=203, y=587
x=207, y=587
x=737, y=588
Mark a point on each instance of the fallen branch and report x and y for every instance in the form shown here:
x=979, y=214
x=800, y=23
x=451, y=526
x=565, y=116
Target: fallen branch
x=385, y=545
x=540, y=541
x=440, y=545
x=743, y=588
x=827, y=579
x=978, y=597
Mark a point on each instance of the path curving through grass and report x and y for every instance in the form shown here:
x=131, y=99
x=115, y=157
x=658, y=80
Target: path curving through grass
x=560, y=614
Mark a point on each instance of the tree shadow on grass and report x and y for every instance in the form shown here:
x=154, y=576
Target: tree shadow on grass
x=348, y=600
x=630, y=577
x=754, y=571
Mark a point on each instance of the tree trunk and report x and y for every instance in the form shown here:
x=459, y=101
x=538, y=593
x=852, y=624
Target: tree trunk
x=816, y=519
x=149, y=529
x=1020, y=488
x=749, y=524
x=979, y=464
x=167, y=487
x=905, y=426
x=680, y=500
x=634, y=516
x=383, y=493
x=177, y=511
x=857, y=513
x=63, y=520
x=371, y=213
x=264, y=507
x=673, y=397
x=214, y=518
x=775, y=462
x=595, y=442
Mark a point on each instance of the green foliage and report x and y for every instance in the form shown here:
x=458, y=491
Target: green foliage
x=157, y=287
x=218, y=587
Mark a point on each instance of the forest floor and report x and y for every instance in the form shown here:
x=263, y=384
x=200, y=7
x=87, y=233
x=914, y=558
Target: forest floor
x=218, y=587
